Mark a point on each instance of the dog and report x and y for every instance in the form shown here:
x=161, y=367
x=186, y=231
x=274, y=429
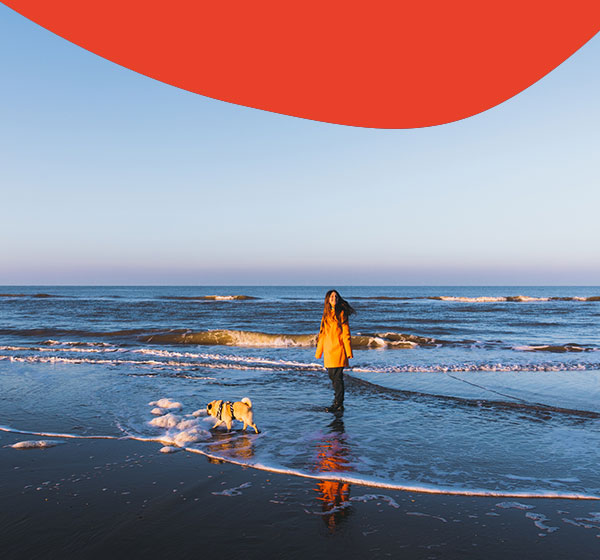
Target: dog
x=226, y=412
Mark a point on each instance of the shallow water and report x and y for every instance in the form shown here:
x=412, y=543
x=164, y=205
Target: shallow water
x=470, y=390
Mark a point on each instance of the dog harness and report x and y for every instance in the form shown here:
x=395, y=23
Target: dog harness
x=220, y=411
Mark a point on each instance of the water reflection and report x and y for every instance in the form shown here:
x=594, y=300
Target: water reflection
x=231, y=445
x=333, y=455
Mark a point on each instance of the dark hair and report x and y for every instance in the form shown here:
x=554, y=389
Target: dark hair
x=341, y=306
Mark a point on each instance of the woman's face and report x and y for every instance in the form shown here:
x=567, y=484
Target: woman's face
x=333, y=299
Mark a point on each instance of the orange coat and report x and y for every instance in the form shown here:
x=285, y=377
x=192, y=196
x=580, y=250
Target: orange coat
x=334, y=341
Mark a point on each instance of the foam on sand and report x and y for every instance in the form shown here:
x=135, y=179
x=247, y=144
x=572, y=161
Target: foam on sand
x=169, y=449
x=539, y=520
x=379, y=497
x=233, y=491
x=513, y=505
x=35, y=444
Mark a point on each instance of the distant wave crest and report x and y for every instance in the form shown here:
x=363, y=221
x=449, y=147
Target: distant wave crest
x=211, y=298
x=516, y=299
x=480, y=299
x=27, y=296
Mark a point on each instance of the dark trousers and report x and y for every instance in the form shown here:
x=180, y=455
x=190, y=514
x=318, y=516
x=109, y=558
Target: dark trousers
x=336, y=375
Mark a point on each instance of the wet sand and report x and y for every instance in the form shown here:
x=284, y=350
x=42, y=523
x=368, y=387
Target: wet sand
x=125, y=499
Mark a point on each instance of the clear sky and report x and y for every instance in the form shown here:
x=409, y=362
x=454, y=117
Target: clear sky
x=109, y=177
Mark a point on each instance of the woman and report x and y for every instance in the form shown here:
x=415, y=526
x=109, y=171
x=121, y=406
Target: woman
x=334, y=342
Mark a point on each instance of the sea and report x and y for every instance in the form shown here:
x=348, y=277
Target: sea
x=491, y=391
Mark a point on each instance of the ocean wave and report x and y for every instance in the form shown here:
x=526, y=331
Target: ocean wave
x=513, y=299
x=225, y=337
x=479, y=299
x=51, y=333
x=556, y=348
x=389, y=340
x=40, y=296
x=387, y=298
x=210, y=298
x=480, y=367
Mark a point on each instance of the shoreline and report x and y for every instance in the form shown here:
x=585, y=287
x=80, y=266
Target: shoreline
x=124, y=498
x=335, y=476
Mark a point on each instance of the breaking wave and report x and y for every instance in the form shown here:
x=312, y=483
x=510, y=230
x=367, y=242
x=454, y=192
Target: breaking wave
x=73, y=353
x=226, y=337
x=389, y=340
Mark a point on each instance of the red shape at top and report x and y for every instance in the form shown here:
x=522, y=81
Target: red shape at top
x=381, y=64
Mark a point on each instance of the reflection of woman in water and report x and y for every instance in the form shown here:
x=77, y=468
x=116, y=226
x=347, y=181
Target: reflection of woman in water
x=334, y=343
x=333, y=455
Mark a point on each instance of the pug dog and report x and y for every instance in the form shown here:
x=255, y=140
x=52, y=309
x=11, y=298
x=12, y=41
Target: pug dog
x=226, y=412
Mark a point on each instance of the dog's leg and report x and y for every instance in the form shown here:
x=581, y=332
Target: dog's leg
x=228, y=423
x=219, y=422
x=255, y=428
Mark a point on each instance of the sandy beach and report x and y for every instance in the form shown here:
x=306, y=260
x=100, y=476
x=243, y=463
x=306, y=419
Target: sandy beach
x=126, y=499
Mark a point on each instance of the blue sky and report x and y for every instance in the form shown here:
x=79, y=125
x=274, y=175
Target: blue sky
x=109, y=177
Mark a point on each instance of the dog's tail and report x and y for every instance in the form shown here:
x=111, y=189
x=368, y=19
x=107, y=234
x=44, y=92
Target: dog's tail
x=247, y=401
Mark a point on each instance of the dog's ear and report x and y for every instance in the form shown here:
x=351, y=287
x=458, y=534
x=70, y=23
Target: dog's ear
x=209, y=406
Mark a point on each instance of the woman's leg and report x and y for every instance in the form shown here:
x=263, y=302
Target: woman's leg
x=337, y=380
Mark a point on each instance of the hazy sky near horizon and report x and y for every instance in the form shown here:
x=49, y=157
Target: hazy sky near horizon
x=109, y=177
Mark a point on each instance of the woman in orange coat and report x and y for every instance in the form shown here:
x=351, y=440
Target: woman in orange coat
x=334, y=343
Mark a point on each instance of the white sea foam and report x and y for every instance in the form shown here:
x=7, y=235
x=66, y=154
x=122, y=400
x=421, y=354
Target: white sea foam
x=379, y=497
x=483, y=367
x=153, y=363
x=539, y=521
x=513, y=505
x=81, y=348
x=186, y=437
x=166, y=403
x=419, y=514
x=35, y=444
x=188, y=424
x=491, y=299
x=180, y=432
x=74, y=343
x=169, y=420
x=169, y=449
x=158, y=411
x=233, y=491
x=52, y=434
x=591, y=522
x=221, y=357
x=282, y=365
